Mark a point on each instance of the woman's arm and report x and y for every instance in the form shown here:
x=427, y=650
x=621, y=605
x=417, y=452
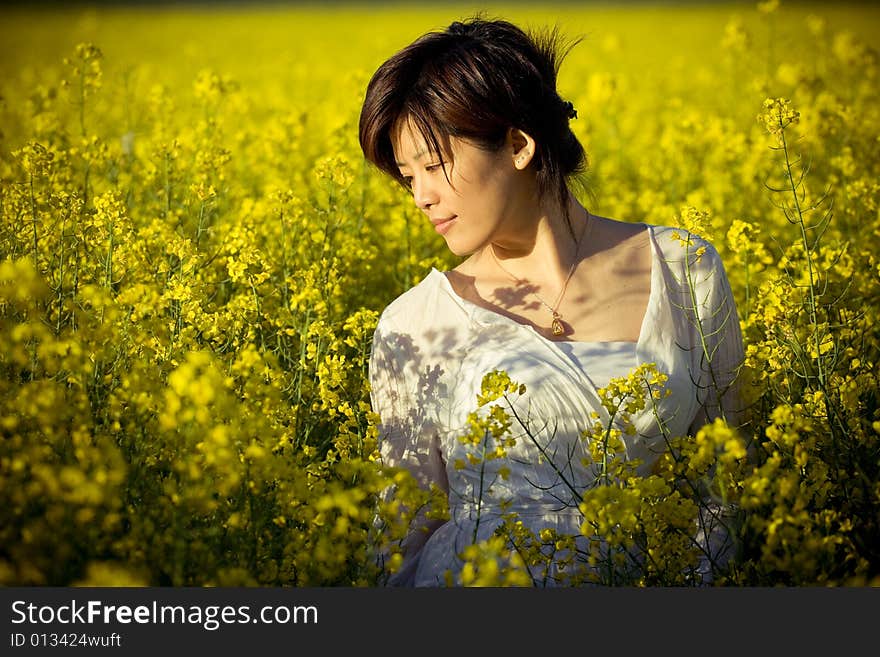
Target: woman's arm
x=719, y=349
x=719, y=355
x=403, y=392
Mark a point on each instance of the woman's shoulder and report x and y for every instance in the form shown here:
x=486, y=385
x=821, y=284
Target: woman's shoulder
x=677, y=244
x=672, y=242
x=690, y=263
x=417, y=304
x=672, y=234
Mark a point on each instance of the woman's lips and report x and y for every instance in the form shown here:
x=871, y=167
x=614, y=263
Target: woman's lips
x=443, y=225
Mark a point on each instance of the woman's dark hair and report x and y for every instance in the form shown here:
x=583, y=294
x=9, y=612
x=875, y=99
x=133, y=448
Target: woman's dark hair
x=475, y=80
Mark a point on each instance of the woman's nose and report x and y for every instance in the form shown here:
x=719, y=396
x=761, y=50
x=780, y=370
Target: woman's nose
x=424, y=193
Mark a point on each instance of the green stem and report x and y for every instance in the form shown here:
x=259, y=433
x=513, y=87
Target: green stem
x=692, y=292
x=108, y=263
x=748, y=299
x=82, y=98
x=167, y=186
x=543, y=452
x=480, y=495
x=60, y=282
x=809, y=257
x=34, y=220
x=831, y=412
x=199, y=228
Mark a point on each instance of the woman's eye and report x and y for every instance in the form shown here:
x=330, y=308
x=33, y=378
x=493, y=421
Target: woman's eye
x=434, y=167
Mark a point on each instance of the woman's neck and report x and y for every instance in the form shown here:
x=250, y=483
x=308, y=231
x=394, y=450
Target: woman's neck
x=541, y=249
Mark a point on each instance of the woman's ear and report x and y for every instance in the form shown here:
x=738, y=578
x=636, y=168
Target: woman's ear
x=522, y=147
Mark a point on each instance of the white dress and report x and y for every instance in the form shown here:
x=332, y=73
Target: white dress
x=431, y=349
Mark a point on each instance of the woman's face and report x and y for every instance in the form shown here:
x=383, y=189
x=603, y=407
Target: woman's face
x=482, y=190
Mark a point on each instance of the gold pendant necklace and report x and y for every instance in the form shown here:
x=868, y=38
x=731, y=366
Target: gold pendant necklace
x=556, y=326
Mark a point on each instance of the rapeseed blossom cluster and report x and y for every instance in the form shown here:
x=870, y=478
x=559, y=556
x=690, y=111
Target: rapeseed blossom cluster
x=193, y=260
x=777, y=115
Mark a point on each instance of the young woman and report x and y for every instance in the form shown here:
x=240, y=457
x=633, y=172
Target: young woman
x=559, y=298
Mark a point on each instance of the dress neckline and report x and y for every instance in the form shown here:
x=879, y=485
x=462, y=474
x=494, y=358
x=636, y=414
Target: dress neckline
x=642, y=329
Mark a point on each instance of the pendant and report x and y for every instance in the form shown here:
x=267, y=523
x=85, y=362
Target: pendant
x=556, y=326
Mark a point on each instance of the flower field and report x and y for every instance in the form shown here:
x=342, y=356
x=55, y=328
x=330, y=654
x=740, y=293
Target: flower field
x=193, y=257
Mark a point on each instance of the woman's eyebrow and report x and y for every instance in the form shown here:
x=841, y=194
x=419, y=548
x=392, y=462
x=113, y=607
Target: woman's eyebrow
x=419, y=154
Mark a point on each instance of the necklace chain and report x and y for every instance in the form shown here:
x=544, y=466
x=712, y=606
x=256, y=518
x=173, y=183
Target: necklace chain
x=556, y=326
